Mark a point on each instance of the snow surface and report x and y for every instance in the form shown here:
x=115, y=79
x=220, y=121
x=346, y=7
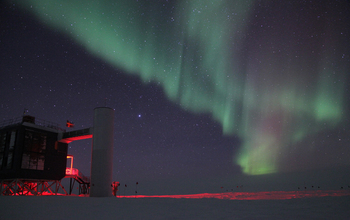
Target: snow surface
x=73, y=207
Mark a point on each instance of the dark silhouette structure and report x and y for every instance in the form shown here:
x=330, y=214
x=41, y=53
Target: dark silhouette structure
x=33, y=157
x=32, y=151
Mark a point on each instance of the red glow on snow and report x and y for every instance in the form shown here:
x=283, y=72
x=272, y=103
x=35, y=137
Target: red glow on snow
x=273, y=195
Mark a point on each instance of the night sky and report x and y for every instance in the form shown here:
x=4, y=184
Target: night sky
x=206, y=93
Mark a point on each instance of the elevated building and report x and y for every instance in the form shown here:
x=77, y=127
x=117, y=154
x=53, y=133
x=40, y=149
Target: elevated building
x=30, y=150
x=33, y=156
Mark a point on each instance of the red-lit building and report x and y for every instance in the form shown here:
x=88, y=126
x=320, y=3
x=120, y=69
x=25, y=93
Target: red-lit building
x=33, y=156
x=30, y=150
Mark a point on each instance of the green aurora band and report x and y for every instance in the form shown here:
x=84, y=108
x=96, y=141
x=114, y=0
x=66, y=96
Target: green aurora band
x=256, y=79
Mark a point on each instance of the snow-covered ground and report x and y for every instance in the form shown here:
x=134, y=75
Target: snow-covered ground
x=73, y=207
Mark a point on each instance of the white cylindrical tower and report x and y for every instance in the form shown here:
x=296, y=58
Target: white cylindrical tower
x=102, y=153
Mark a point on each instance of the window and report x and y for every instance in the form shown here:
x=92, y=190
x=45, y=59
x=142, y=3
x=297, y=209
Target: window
x=33, y=161
x=2, y=142
x=34, y=150
x=1, y=159
x=34, y=142
x=11, y=149
x=12, y=140
x=2, y=147
x=9, y=160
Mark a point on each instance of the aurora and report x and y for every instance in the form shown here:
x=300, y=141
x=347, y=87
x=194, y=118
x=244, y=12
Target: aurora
x=269, y=76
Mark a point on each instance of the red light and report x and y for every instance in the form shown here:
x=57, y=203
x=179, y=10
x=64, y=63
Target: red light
x=77, y=138
x=69, y=124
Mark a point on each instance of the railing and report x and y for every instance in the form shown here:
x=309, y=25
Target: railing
x=48, y=124
x=40, y=122
x=81, y=132
x=11, y=122
x=75, y=172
